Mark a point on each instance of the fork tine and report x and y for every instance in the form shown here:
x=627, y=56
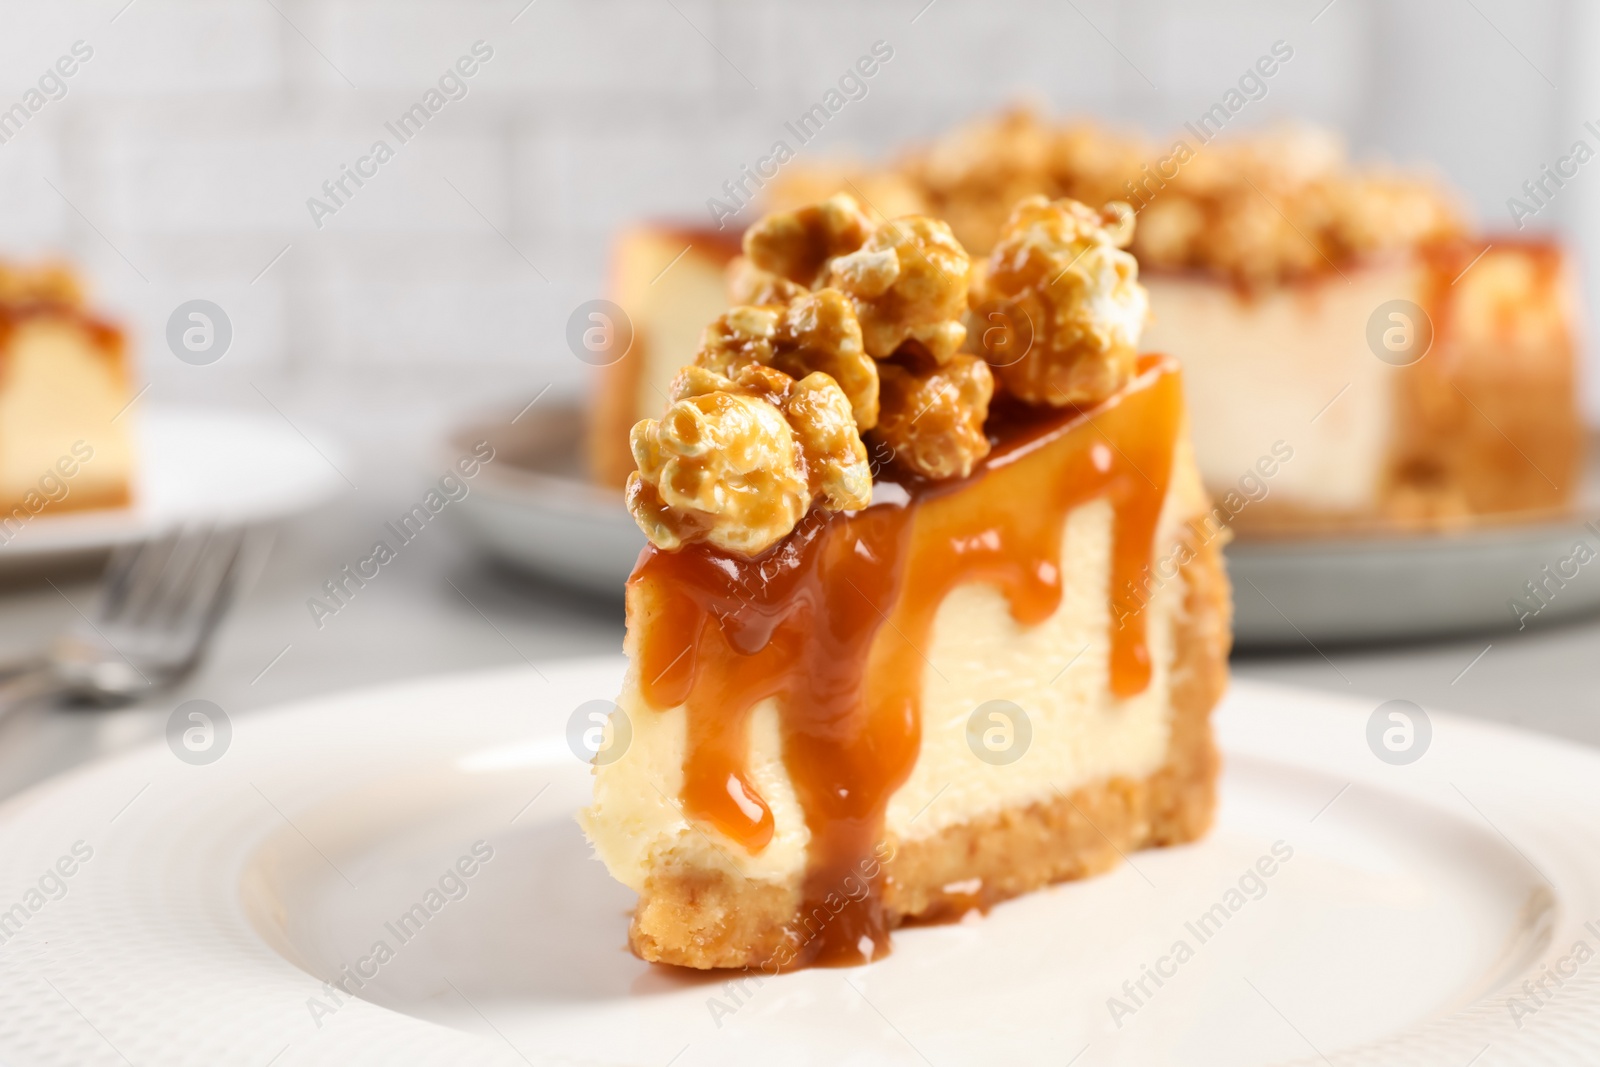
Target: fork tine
x=121, y=574
x=171, y=596
x=210, y=593
x=138, y=581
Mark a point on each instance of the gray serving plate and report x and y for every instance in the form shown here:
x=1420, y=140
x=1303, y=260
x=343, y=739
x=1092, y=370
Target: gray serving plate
x=535, y=510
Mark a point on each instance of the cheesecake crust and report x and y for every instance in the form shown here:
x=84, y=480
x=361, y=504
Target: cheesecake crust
x=713, y=918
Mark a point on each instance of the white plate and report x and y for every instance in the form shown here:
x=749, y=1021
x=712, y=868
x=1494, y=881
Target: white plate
x=194, y=465
x=1417, y=901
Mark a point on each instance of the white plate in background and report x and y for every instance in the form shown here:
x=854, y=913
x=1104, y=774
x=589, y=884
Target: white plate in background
x=195, y=465
x=1414, y=902
x=536, y=509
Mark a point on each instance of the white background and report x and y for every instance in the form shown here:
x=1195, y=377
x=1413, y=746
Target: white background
x=180, y=162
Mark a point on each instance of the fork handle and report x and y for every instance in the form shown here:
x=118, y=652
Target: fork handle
x=27, y=686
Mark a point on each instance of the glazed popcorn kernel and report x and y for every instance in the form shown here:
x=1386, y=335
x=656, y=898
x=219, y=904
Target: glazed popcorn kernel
x=908, y=282
x=798, y=244
x=825, y=429
x=739, y=337
x=749, y=284
x=49, y=284
x=819, y=332
x=813, y=332
x=737, y=462
x=1060, y=268
x=932, y=419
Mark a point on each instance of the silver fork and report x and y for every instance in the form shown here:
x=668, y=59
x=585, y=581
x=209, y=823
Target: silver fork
x=159, y=603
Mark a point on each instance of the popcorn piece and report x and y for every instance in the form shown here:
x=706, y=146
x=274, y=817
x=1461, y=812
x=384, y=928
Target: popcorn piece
x=883, y=194
x=737, y=462
x=1060, y=276
x=749, y=284
x=836, y=459
x=814, y=332
x=51, y=283
x=798, y=244
x=908, y=282
x=933, y=418
x=1258, y=209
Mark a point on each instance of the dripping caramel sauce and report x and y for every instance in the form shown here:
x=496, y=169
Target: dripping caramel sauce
x=827, y=624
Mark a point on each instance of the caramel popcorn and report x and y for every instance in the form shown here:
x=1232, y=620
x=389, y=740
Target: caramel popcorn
x=48, y=284
x=1257, y=209
x=749, y=284
x=906, y=277
x=933, y=419
x=908, y=282
x=798, y=244
x=738, y=461
x=842, y=327
x=814, y=332
x=1060, y=271
x=883, y=194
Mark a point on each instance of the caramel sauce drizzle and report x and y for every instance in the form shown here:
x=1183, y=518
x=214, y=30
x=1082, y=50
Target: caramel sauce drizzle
x=827, y=624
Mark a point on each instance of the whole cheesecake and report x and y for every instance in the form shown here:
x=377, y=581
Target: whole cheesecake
x=1338, y=325
x=909, y=638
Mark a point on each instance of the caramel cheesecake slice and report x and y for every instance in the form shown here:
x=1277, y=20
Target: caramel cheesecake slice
x=911, y=637
x=64, y=379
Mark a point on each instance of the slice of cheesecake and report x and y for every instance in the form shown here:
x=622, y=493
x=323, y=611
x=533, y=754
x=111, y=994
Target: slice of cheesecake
x=64, y=385
x=906, y=668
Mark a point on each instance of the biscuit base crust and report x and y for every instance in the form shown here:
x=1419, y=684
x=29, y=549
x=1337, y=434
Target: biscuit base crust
x=709, y=918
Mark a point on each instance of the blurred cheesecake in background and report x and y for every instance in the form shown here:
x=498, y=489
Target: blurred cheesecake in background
x=1354, y=356
x=64, y=382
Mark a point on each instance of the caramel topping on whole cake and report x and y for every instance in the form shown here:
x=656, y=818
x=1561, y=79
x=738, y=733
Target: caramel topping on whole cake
x=772, y=574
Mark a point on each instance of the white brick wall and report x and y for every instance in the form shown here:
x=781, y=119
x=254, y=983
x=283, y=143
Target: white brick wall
x=191, y=140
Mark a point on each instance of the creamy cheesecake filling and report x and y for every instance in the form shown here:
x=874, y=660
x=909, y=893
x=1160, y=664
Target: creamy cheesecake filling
x=1266, y=366
x=1057, y=671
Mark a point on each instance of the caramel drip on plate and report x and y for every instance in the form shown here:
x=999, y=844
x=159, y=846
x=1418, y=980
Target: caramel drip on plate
x=834, y=623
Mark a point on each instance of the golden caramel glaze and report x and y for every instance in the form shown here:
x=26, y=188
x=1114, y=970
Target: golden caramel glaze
x=825, y=623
